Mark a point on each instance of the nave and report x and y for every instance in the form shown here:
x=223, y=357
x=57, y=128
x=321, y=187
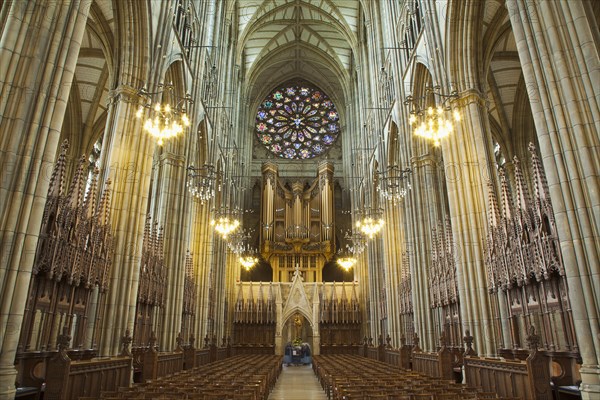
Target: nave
x=186, y=182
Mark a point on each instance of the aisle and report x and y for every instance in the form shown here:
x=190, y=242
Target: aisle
x=297, y=383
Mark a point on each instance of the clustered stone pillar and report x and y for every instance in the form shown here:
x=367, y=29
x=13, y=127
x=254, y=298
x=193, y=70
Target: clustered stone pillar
x=466, y=166
x=127, y=159
x=39, y=46
x=424, y=212
x=558, y=48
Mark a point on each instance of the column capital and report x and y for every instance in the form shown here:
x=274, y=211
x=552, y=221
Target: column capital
x=470, y=96
x=422, y=160
x=125, y=93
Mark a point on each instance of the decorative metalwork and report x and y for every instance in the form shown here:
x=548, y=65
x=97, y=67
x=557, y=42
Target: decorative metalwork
x=202, y=181
x=356, y=242
x=369, y=221
x=226, y=220
x=393, y=183
x=428, y=114
x=164, y=121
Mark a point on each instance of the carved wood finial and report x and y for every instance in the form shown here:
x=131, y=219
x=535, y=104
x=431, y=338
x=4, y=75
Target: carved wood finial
x=402, y=340
x=206, y=340
x=443, y=340
x=388, y=340
x=533, y=340
x=416, y=340
x=152, y=341
x=468, y=339
x=125, y=342
x=179, y=341
x=192, y=341
x=63, y=340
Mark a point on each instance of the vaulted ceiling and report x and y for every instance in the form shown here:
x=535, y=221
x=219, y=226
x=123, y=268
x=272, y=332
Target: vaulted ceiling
x=308, y=39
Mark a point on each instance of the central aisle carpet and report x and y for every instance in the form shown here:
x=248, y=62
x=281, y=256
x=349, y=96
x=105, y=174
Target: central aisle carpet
x=297, y=383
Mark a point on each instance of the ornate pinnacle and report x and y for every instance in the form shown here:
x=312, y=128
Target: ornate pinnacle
x=493, y=211
x=58, y=173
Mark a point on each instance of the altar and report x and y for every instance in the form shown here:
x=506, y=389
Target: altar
x=297, y=354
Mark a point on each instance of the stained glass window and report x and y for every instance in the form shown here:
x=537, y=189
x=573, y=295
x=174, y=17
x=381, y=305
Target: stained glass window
x=297, y=122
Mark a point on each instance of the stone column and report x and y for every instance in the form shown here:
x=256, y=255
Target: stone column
x=127, y=158
x=424, y=215
x=558, y=48
x=39, y=46
x=172, y=205
x=202, y=241
x=467, y=172
x=278, y=322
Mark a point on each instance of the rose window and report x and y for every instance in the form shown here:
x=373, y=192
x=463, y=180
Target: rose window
x=297, y=122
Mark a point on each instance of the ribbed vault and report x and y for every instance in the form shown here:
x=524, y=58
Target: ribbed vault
x=286, y=39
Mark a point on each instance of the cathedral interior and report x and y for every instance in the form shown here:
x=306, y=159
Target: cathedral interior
x=387, y=190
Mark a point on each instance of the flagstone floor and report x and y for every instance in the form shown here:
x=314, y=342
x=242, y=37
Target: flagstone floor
x=297, y=383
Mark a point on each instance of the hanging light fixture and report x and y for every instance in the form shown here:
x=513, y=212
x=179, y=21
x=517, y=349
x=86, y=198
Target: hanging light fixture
x=201, y=182
x=394, y=184
x=346, y=262
x=164, y=121
x=225, y=221
x=436, y=121
x=370, y=221
x=356, y=242
x=248, y=261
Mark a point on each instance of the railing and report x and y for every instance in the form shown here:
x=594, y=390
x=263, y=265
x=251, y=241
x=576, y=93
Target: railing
x=67, y=379
x=327, y=349
x=373, y=353
x=426, y=363
x=222, y=353
x=169, y=363
x=505, y=377
x=529, y=379
x=89, y=378
x=393, y=357
x=263, y=349
x=202, y=357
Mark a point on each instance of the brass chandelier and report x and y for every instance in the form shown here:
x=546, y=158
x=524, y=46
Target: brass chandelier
x=394, y=184
x=163, y=120
x=201, y=182
x=435, y=121
x=370, y=221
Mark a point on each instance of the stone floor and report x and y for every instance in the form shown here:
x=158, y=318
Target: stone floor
x=297, y=383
